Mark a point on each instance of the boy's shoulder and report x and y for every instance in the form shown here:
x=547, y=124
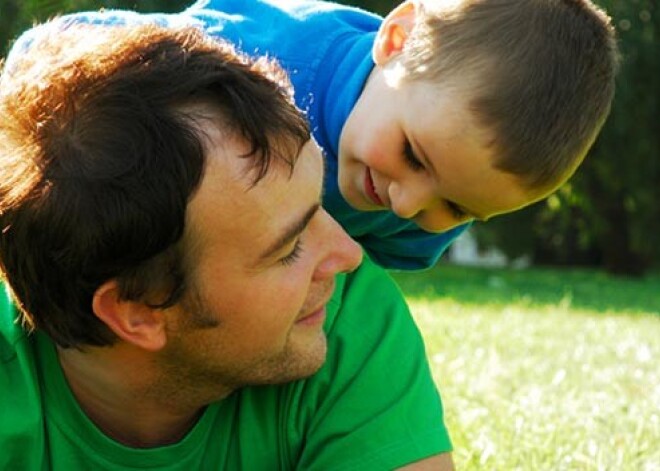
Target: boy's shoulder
x=292, y=18
x=302, y=10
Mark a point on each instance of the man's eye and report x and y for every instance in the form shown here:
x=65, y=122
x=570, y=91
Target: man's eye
x=294, y=255
x=412, y=161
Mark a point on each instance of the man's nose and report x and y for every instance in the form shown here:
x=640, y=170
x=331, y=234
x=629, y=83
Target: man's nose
x=343, y=253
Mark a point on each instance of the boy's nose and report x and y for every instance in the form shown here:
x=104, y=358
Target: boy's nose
x=408, y=202
x=404, y=209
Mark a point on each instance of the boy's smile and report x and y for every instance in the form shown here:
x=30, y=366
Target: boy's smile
x=414, y=148
x=370, y=189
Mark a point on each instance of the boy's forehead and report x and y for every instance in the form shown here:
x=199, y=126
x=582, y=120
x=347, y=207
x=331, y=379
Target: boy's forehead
x=441, y=119
x=459, y=153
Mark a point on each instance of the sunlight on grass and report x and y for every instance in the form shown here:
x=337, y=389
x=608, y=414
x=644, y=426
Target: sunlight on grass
x=529, y=385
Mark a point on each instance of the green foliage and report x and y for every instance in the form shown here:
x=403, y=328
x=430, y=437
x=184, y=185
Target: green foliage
x=18, y=15
x=557, y=231
x=381, y=7
x=620, y=180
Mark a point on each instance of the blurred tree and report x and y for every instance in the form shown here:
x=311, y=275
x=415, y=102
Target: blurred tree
x=18, y=15
x=382, y=7
x=619, y=185
x=11, y=21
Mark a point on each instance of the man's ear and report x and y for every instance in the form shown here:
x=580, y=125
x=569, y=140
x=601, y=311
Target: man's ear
x=394, y=32
x=133, y=322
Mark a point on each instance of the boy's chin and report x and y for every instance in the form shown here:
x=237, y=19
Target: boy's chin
x=351, y=200
x=360, y=204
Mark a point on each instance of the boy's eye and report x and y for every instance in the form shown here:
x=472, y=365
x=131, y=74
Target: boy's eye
x=455, y=210
x=293, y=256
x=412, y=161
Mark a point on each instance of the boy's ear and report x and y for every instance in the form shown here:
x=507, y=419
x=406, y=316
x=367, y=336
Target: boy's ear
x=394, y=32
x=133, y=322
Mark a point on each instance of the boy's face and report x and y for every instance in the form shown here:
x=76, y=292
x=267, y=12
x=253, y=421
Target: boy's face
x=414, y=148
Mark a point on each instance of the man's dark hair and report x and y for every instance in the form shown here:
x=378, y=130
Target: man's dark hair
x=98, y=161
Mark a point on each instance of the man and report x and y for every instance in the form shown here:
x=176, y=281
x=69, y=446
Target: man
x=178, y=286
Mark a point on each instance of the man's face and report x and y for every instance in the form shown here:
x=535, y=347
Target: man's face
x=415, y=149
x=264, y=265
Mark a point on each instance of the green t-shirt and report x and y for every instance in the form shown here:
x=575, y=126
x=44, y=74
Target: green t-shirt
x=373, y=404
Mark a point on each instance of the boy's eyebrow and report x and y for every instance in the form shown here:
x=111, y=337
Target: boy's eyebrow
x=290, y=233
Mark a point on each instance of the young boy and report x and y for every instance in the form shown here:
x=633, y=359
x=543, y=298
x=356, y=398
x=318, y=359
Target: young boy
x=442, y=113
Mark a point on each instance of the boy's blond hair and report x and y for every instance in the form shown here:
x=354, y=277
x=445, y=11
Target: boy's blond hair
x=540, y=72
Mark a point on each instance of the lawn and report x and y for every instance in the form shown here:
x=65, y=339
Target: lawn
x=543, y=369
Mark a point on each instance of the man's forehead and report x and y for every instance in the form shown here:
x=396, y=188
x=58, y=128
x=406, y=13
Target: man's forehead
x=222, y=140
x=230, y=210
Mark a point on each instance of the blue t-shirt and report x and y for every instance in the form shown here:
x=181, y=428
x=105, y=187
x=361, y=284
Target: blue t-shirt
x=326, y=50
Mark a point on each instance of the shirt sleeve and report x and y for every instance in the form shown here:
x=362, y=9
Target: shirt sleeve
x=377, y=406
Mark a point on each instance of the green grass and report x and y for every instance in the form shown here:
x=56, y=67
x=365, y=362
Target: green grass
x=543, y=369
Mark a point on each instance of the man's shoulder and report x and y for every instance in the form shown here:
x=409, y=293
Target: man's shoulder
x=375, y=378
x=16, y=350
x=371, y=283
x=20, y=411
x=370, y=312
x=10, y=330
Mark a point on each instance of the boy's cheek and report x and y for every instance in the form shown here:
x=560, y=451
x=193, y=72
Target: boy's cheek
x=380, y=156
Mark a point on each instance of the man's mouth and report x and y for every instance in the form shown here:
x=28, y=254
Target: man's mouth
x=317, y=315
x=370, y=189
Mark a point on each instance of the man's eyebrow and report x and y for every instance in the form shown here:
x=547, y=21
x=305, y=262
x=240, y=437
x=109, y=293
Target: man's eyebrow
x=290, y=233
x=295, y=229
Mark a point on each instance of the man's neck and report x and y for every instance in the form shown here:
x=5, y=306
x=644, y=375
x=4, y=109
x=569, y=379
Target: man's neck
x=118, y=390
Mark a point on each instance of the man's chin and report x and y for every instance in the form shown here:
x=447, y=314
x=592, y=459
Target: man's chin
x=301, y=364
x=312, y=361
